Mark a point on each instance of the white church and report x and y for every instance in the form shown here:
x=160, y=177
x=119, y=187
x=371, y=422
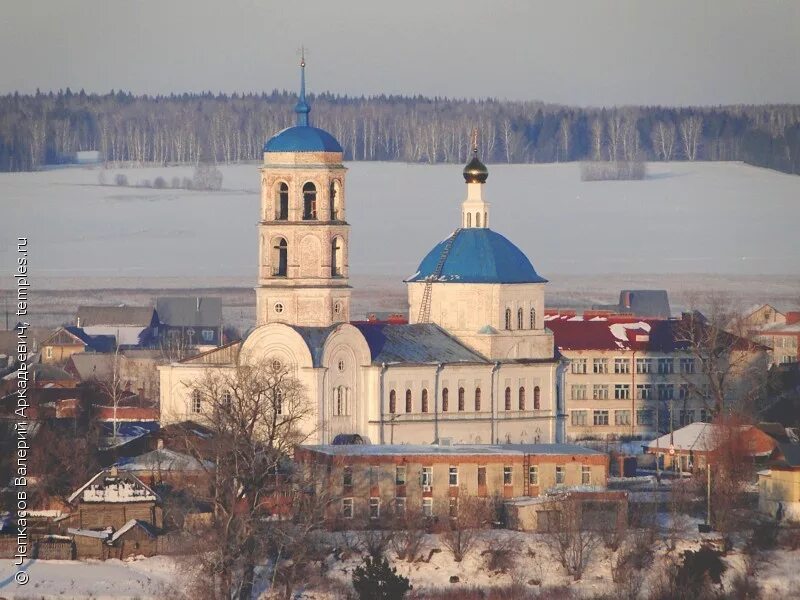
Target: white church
x=474, y=364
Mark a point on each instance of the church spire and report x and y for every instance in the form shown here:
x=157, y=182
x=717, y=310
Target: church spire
x=475, y=210
x=302, y=108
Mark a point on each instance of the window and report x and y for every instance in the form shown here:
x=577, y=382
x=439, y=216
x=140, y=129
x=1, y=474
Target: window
x=686, y=365
x=683, y=391
x=340, y=365
x=337, y=257
x=560, y=472
x=453, y=476
x=408, y=401
x=400, y=475
x=481, y=476
x=600, y=392
x=705, y=415
x=666, y=391
x=427, y=507
x=622, y=417
x=469, y=219
x=347, y=476
x=666, y=366
x=374, y=508
x=445, y=400
x=477, y=399
x=424, y=400
x=579, y=417
x=508, y=318
x=282, y=204
x=426, y=477
x=508, y=398
x=579, y=366
x=622, y=366
x=520, y=324
x=644, y=365
x=279, y=401
x=392, y=402
x=207, y=335
x=400, y=505
x=48, y=351
x=644, y=391
x=600, y=365
x=579, y=392
x=453, y=508
x=278, y=308
x=337, y=308
x=197, y=401
x=586, y=475
x=280, y=255
x=339, y=402
x=686, y=417
x=622, y=391
x=644, y=417
x=309, y=202
x=334, y=201
x=600, y=417
x=461, y=399
x=477, y=219
x=226, y=400
x=533, y=318
x=522, y=398
x=536, y=398
x=533, y=475
x=507, y=475
x=347, y=508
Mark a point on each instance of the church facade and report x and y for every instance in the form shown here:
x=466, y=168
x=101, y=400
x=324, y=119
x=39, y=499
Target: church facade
x=474, y=364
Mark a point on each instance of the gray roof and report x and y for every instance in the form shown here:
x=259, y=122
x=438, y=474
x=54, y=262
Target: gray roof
x=190, y=311
x=791, y=454
x=115, y=315
x=315, y=337
x=92, y=365
x=645, y=303
x=421, y=343
x=35, y=337
x=455, y=450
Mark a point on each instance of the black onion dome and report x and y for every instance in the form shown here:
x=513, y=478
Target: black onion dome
x=475, y=171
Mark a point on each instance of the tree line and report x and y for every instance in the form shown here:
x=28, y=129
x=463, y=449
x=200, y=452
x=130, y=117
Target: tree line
x=48, y=128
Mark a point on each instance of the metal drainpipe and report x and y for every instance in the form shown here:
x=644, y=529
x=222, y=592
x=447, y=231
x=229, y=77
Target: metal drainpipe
x=383, y=370
x=561, y=412
x=439, y=368
x=495, y=369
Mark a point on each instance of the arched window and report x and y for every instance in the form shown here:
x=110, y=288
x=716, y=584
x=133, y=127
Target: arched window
x=469, y=219
x=445, y=400
x=336, y=257
x=508, y=318
x=533, y=318
x=508, y=398
x=477, y=399
x=338, y=408
x=309, y=202
x=332, y=200
x=392, y=402
x=522, y=397
x=485, y=219
x=280, y=256
x=461, y=399
x=424, y=401
x=408, y=401
x=477, y=219
x=520, y=324
x=278, y=402
x=536, y=397
x=282, y=203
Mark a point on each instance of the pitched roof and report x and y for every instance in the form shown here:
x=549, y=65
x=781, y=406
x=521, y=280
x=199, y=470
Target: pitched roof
x=190, y=311
x=421, y=343
x=91, y=365
x=108, y=487
x=162, y=459
x=789, y=454
x=115, y=315
x=454, y=450
x=702, y=437
x=95, y=343
x=645, y=303
x=613, y=333
x=130, y=525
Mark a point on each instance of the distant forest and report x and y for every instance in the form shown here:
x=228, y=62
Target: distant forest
x=43, y=129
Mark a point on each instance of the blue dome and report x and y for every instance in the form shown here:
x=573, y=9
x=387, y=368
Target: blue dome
x=302, y=138
x=479, y=255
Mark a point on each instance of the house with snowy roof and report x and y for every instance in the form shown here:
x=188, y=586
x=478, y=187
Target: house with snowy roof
x=779, y=484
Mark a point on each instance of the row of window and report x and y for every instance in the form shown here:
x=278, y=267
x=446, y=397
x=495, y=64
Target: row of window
x=580, y=418
x=279, y=258
x=468, y=222
x=521, y=319
x=662, y=366
x=644, y=391
x=477, y=400
x=196, y=402
x=341, y=401
x=309, y=202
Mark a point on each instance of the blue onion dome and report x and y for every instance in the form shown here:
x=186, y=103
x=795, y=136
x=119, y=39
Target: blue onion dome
x=478, y=255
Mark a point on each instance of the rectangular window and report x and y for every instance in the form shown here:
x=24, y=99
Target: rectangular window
x=427, y=507
x=48, y=351
x=579, y=417
x=507, y=475
x=586, y=475
x=705, y=416
x=600, y=365
x=579, y=366
x=197, y=403
x=399, y=475
x=686, y=417
x=687, y=365
x=579, y=392
x=453, y=507
x=347, y=476
x=533, y=475
x=600, y=417
x=426, y=477
x=666, y=366
x=644, y=417
x=644, y=365
x=622, y=366
x=622, y=417
x=560, y=472
x=600, y=392
x=683, y=391
x=453, y=476
x=208, y=335
x=374, y=508
x=347, y=508
x=666, y=391
x=482, y=476
x=400, y=505
x=644, y=391
x=622, y=391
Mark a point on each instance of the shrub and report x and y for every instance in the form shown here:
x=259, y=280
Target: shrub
x=207, y=177
x=121, y=179
x=159, y=183
x=764, y=536
x=376, y=580
x=175, y=182
x=613, y=171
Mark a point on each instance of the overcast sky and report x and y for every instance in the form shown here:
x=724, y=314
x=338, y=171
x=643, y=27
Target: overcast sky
x=597, y=52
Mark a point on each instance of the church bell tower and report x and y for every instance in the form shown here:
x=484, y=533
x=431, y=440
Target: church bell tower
x=302, y=232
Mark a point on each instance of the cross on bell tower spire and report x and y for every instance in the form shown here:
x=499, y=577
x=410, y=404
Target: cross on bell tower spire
x=302, y=107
